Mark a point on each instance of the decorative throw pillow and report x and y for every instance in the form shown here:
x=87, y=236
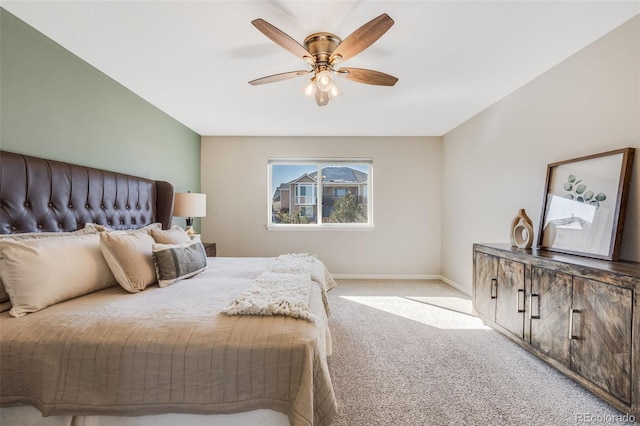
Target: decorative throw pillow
x=41, y=272
x=175, y=262
x=128, y=254
x=5, y=304
x=175, y=235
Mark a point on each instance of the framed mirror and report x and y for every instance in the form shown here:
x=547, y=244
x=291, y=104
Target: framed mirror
x=585, y=203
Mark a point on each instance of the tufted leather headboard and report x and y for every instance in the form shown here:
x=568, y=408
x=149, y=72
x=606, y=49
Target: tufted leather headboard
x=39, y=195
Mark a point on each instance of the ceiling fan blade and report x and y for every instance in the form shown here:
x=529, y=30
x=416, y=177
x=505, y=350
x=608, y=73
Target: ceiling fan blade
x=282, y=39
x=367, y=76
x=362, y=38
x=278, y=77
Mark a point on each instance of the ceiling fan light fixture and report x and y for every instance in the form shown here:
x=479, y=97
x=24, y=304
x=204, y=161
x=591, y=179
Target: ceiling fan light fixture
x=322, y=98
x=310, y=88
x=324, y=81
x=334, y=92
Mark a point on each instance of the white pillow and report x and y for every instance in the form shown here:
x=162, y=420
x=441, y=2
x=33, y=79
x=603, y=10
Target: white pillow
x=128, y=254
x=41, y=272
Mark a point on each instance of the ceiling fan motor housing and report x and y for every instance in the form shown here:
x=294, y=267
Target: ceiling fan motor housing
x=321, y=46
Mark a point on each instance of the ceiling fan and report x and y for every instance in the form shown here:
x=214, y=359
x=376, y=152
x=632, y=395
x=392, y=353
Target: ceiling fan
x=323, y=51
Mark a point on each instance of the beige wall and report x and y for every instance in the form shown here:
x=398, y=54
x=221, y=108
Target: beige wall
x=495, y=163
x=405, y=239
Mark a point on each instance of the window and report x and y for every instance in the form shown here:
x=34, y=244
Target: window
x=340, y=197
x=306, y=194
x=340, y=192
x=306, y=211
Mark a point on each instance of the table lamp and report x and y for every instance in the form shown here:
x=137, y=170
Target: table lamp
x=190, y=205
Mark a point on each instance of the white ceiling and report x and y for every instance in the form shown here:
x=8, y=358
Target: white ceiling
x=193, y=59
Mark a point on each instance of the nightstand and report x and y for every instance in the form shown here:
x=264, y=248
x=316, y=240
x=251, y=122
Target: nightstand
x=210, y=249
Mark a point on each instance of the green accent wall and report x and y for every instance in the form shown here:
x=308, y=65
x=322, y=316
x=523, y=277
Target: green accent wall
x=57, y=106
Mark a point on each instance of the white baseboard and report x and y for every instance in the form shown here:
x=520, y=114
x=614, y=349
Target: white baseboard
x=384, y=277
x=456, y=286
x=446, y=280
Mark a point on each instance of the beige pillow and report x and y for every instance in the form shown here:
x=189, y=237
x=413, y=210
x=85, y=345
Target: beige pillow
x=41, y=272
x=94, y=227
x=156, y=225
x=175, y=262
x=39, y=235
x=175, y=235
x=128, y=254
x=5, y=305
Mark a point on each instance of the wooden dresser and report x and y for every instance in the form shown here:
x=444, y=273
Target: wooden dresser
x=580, y=315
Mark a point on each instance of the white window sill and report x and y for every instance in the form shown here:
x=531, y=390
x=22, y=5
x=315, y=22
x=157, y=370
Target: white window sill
x=324, y=227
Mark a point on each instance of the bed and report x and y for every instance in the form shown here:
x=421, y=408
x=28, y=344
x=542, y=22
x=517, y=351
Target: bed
x=183, y=349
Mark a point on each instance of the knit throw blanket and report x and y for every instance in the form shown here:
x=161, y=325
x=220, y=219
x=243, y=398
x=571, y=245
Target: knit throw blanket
x=284, y=290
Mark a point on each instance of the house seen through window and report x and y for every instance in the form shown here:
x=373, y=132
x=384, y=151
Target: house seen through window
x=319, y=193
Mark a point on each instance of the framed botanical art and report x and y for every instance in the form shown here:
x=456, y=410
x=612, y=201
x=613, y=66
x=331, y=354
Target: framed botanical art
x=585, y=203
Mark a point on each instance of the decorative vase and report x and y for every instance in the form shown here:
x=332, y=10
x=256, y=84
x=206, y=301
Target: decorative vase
x=522, y=231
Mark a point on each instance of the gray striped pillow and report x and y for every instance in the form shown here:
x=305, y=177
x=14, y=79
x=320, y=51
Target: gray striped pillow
x=175, y=262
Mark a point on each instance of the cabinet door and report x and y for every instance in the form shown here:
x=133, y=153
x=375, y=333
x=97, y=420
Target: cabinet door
x=485, y=283
x=550, y=304
x=601, y=335
x=510, y=305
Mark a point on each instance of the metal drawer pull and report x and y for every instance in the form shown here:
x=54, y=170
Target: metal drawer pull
x=537, y=316
x=494, y=288
x=571, y=312
x=518, y=299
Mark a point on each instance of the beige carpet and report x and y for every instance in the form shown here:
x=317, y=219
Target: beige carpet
x=412, y=353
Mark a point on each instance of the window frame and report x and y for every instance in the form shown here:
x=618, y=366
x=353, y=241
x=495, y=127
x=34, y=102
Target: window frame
x=320, y=163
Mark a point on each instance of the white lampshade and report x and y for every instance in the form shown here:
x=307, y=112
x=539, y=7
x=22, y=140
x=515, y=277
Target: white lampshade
x=189, y=204
x=324, y=81
x=322, y=98
x=335, y=91
x=310, y=88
